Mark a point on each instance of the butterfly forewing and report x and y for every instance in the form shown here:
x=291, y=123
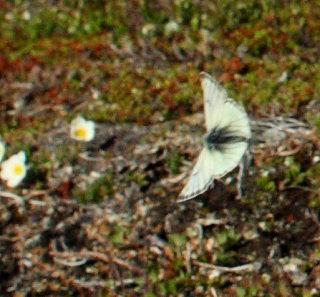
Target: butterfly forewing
x=235, y=118
x=214, y=97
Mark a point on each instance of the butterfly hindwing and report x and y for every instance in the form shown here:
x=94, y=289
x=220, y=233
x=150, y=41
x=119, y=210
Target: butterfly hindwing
x=230, y=158
x=200, y=178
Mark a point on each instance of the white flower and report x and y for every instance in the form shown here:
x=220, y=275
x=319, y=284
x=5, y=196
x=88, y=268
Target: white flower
x=2, y=150
x=14, y=169
x=81, y=129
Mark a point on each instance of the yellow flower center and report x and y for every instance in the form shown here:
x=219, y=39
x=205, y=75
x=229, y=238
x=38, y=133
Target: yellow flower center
x=18, y=169
x=81, y=133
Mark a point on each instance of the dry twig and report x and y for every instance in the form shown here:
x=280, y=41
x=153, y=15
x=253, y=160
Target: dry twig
x=96, y=256
x=15, y=197
x=237, y=269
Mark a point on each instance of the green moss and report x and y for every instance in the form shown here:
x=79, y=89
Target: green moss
x=97, y=191
x=266, y=183
x=153, y=272
x=227, y=240
x=251, y=292
x=138, y=178
x=314, y=119
x=40, y=169
x=178, y=240
x=119, y=234
x=294, y=173
x=68, y=153
x=174, y=162
x=314, y=181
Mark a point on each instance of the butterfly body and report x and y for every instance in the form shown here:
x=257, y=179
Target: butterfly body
x=217, y=139
x=226, y=140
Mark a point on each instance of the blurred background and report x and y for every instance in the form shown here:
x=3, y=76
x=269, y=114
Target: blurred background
x=100, y=219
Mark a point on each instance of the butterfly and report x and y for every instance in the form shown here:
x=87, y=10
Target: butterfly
x=226, y=140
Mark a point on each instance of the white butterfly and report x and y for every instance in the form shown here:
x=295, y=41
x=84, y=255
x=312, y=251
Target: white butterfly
x=225, y=142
